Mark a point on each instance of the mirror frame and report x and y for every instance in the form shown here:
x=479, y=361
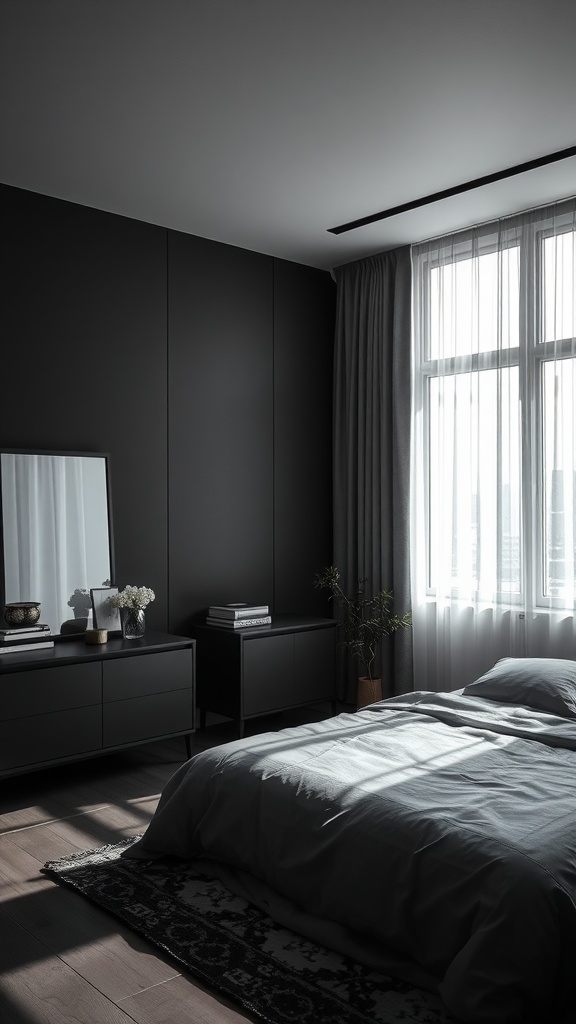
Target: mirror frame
x=73, y=454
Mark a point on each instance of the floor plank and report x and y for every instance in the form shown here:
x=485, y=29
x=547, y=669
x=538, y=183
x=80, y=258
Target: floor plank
x=38, y=988
x=99, y=948
x=182, y=1001
x=41, y=797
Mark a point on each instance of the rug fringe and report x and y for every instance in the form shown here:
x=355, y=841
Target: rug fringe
x=98, y=856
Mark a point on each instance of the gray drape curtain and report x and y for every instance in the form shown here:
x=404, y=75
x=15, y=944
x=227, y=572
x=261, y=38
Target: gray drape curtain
x=372, y=445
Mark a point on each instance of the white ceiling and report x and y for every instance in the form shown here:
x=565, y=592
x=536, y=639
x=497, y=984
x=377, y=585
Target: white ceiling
x=262, y=123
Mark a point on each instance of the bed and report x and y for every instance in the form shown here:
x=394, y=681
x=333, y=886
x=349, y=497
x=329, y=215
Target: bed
x=432, y=835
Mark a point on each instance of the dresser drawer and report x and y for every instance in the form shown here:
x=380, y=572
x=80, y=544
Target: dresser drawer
x=42, y=690
x=38, y=738
x=140, y=675
x=141, y=718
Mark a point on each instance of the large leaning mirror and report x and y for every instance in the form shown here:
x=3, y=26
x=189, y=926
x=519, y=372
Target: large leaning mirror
x=56, y=533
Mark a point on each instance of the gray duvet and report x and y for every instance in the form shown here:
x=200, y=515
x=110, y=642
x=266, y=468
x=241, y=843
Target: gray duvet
x=436, y=832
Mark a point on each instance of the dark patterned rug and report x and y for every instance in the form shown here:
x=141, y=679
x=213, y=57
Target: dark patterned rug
x=234, y=948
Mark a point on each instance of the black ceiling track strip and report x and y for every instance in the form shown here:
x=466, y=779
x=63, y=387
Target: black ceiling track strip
x=487, y=179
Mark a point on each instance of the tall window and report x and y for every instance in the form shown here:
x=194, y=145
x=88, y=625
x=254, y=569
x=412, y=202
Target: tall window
x=494, y=443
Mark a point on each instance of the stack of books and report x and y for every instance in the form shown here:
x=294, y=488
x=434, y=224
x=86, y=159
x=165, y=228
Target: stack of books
x=238, y=616
x=25, y=638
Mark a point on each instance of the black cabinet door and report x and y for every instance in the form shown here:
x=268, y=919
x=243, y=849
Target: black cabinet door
x=268, y=673
x=314, y=665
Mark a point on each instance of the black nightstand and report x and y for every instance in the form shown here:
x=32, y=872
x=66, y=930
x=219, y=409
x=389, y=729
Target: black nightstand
x=246, y=673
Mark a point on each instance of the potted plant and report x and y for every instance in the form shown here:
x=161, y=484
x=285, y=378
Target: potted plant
x=365, y=623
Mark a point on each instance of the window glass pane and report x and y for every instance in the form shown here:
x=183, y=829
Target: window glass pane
x=474, y=305
x=559, y=287
x=474, y=489
x=558, y=396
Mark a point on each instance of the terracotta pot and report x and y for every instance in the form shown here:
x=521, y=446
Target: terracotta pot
x=368, y=691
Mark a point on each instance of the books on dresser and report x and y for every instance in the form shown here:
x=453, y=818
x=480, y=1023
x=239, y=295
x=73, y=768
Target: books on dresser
x=238, y=616
x=38, y=632
x=25, y=645
x=26, y=638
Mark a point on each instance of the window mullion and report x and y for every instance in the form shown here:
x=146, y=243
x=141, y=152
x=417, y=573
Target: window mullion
x=530, y=411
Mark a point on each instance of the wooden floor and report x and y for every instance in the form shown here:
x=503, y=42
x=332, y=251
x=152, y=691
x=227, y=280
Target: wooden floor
x=62, y=959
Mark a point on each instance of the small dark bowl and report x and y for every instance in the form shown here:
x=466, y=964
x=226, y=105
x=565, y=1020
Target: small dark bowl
x=21, y=613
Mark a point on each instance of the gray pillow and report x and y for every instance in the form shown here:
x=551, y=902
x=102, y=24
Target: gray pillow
x=546, y=684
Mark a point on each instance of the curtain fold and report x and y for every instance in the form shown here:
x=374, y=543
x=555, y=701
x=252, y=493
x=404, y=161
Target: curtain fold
x=371, y=440
x=494, y=445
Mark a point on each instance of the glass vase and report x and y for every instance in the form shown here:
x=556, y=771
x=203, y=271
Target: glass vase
x=133, y=623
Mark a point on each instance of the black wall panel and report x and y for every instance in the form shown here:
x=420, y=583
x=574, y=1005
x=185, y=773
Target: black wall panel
x=304, y=304
x=205, y=370
x=83, y=327
x=221, y=426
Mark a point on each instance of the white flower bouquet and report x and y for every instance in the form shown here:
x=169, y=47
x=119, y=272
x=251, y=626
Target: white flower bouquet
x=132, y=597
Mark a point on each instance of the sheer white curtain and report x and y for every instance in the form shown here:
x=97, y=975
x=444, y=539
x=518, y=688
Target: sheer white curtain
x=493, y=475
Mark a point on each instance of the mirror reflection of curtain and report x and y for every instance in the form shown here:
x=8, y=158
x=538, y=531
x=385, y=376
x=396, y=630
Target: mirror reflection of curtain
x=52, y=546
